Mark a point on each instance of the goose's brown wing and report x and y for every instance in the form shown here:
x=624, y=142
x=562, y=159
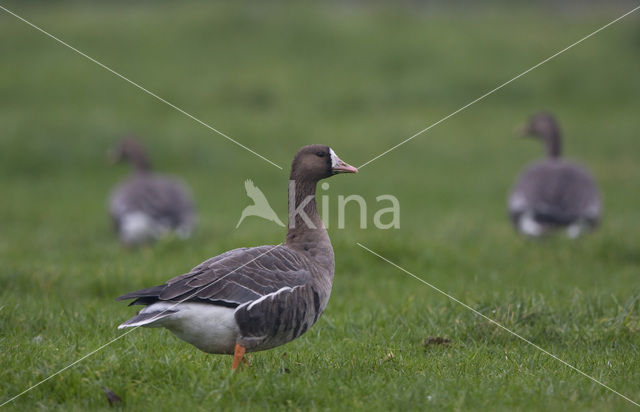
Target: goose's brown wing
x=162, y=198
x=232, y=278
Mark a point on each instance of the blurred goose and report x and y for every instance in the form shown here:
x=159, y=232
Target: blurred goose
x=147, y=205
x=252, y=299
x=553, y=193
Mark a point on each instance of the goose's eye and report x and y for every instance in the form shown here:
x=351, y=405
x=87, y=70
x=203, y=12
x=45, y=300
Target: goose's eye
x=320, y=154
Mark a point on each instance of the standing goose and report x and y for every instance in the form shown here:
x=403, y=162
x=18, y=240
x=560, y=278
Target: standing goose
x=252, y=299
x=553, y=193
x=147, y=205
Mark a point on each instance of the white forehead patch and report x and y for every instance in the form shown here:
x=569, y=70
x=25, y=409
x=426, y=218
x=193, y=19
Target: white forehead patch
x=334, y=158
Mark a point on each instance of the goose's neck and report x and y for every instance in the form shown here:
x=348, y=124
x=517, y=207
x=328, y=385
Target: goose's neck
x=140, y=162
x=554, y=144
x=307, y=233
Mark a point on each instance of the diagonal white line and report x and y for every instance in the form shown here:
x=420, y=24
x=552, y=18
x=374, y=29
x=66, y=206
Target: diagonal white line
x=129, y=331
x=497, y=88
x=139, y=87
x=497, y=324
x=66, y=367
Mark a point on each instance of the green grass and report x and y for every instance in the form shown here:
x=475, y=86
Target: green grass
x=276, y=77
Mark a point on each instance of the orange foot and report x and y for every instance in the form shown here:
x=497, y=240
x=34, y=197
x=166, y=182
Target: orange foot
x=238, y=356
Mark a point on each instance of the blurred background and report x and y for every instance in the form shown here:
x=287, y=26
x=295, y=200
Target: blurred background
x=357, y=76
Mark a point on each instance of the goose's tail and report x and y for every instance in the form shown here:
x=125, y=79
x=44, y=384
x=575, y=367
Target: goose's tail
x=148, y=316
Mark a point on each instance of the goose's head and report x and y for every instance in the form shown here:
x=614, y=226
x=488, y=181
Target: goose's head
x=130, y=150
x=315, y=162
x=541, y=126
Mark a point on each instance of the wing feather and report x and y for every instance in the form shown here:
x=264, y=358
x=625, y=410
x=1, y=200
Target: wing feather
x=233, y=278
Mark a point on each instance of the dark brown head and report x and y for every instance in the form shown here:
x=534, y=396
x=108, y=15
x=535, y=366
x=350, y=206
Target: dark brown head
x=543, y=126
x=130, y=150
x=315, y=162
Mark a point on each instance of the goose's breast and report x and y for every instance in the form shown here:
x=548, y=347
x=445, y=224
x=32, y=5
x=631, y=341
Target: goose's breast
x=279, y=317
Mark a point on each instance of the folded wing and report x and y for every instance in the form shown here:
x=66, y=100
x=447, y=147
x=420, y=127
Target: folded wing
x=231, y=279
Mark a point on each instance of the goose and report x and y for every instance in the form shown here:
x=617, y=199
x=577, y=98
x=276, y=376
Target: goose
x=147, y=205
x=553, y=193
x=257, y=298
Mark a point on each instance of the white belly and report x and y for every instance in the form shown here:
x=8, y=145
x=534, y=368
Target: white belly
x=210, y=328
x=529, y=226
x=137, y=227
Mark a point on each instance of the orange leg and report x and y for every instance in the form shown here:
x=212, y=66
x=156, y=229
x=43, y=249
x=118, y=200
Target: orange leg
x=238, y=356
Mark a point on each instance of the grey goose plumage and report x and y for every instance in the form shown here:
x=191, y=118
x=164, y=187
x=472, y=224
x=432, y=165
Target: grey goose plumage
x=252, y=299
x=148, y=205
x=553, y=193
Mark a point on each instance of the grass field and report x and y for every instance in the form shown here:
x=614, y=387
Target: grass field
x=276, y=77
